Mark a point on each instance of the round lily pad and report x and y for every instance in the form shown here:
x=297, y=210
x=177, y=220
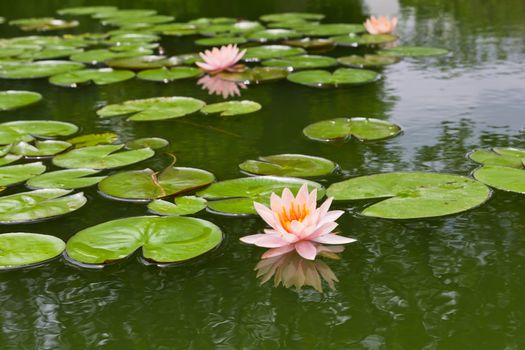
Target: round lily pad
x=169, y=74
x=295, y=165
x=232, y=108
x=21, y=249
x=291, y=16
x=301, y=62
x=125, y=13
x=50, y=53
x=255, y=75
x=340, y=77
x=101, y=157
x=499, y=156
x=186, y=205
x=132, y=38
x=139, y=62
x=43, y=24
x=12, y=99
x=166, y=239
x=412, y=195
x=175, y=29
x=137, y=22
x=28, y=207
x=259, y=53
x=100, y=55
x=41, y=128
x=101, y=76
x=65, y=179
x=93, y=139
x=14, y=174
x=273, y=35
x=148, y=142
x=367, y=61
x=220, y=41
x=8, y=159
x=331, y=29
x=144, y=185
x=365, y=39
x=413, y=51
x=86, y=10
x=9, y=135
x=236, y=197
x=38, y=69
x=231, y=29
x=363, y=129
x=501, y=177
x=157, y=108
x=312, y=43
x=40, y=149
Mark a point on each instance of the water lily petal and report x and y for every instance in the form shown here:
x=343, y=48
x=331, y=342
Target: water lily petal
x=264, y=240
x=306, y=249
x=333, y=239
x=270, y=253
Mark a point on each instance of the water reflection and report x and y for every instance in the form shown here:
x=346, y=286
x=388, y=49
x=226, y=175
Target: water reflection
x=292, y=270
x=220, y=87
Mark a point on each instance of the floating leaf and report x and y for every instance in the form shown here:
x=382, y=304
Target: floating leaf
x=8, y=159
x=255, y=75
x=147, y=184
x=43, y=24
x=364, y=129
x=132, y=13
x=100, y=55
x=365, y=39
x=140, y=62
x=41, y=149
x=38, y=69
x=501, y=177
x=50, y=53
x=499, y=156
x=187, y=205
x=12, y=99
x=27, y=207
x=412, y=195
x=162, y=239
x=147, y=142
x=231, y=29
x=292, y=16
x=65, y=179
x=101, y=76
x=296, y=165
x=14, y=174
x=171, y=74
x=157, y=108
x=340, y=77
x=259, y=53
x=232, y=108
x=41, y=128
x=312, y=43
x=331, y=29
x=9, y=136
x=93, y=139
x=413, y=51
x=101, y=157
x=236, y=196
x=273, y=35
x=86, y=10
x=220, y=41
x=137, y=22
x=301, y=62
x=132, y=38
x=20, y=249
x=367, y=61
x=175, y=29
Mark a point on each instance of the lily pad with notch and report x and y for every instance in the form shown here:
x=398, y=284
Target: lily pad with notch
x=365, y=39
x=230, y=108
x=501, y=177
x=15, y=174
x=140, y=62
x=367, y=61
x=342, y=129
x=43, y=24
x=259, y=53
x=21, y=249
x=301, y=62
x=100, y=55
x=101, y=76
x=12, y=99
x=499, y=156
x=41, y=128
x=340, y=77
x=65, y=179
x=413, y=51
x=273, y=35
x=292, y=16
x=314, y=44
x=149, y=142
x=186, y=205
x=295, y=165
x=86, y=10
x=330, y=29
x=40, y=149
x=93, y=139
x=37, y=69
x=169, y=74
x=220, y=41
x=255, y=75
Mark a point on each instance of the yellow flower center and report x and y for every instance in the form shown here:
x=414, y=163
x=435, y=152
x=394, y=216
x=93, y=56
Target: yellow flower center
x=296, y=213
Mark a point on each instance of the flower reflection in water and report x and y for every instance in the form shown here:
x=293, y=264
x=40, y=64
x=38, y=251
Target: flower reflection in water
x=220, y=87
x=292, y=270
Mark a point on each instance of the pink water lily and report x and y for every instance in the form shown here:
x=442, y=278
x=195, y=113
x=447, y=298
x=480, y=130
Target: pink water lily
x=297, y=223
x=217, y=60
x=380, y=25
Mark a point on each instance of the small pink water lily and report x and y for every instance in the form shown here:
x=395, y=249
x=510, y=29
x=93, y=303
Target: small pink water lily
x=380, y=25
x=217, y=60
x=297, y=223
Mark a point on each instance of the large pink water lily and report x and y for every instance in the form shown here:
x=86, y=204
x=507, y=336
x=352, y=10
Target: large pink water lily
x=217, y=60
x=380, y=25
x=297, y=223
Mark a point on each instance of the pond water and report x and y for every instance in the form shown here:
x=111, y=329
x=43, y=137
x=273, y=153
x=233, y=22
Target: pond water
x=452, y=282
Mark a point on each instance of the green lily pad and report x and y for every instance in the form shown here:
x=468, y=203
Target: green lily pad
x=14, y=174
x=132, y=38
x=101, y=76
x=8, y=159
x=406, y=195
x=501, y=177
x=367, y=61
x=101, y=157
x=93, y=139
x=363, y=129
x=100, y=55
x=140, y=62
x=220, y=41
x=43, y=24
x=157, y=108
x=292, y=16
x=171, y=74
x=413, y=51
x=12, y=99
x=255, y=75
x=40, y=149
x=144, y=185
x=86, y=10
x=295, y=165
x=291, y=24
x=231, y=29
x=135, y=47
x=33, y=206
x=125, y=13
x=41, y=128
x=50, y=53
x=65, y=179
x=236, y=197
x=186, y=205
x=9, y=136
x=137, y=22
x=166, y=239
x=207, y=21
x=340, y=77
x=232, y=108
x=148, y=142
x=331, y=29
x=175, y=29
x=365, y=39
x=273, y=35
x=188, y=59
x=20, y=249
x=311, y=43
x=38, y=69
x=499, y=156
x=259, y=53
x=301, y=62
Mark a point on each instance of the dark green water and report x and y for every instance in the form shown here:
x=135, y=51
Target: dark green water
x=450, y=283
